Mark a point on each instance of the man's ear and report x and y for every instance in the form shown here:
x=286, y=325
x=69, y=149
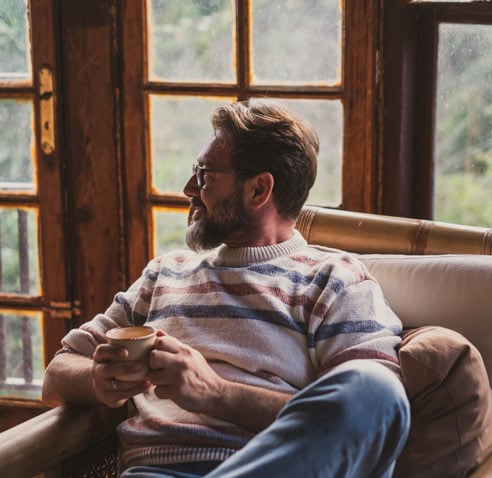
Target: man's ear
x=258, y=190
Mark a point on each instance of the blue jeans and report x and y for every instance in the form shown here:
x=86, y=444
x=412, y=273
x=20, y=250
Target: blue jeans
x=352, y=422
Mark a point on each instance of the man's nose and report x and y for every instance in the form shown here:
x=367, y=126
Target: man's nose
x=191, y=188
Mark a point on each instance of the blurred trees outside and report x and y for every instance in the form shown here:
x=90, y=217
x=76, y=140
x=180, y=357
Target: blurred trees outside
x=463, y=147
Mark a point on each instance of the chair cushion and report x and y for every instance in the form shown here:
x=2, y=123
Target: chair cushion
x=451, y=291
x=451, y=404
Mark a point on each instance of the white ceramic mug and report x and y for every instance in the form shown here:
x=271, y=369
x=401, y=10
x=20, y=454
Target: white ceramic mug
x=138, y=341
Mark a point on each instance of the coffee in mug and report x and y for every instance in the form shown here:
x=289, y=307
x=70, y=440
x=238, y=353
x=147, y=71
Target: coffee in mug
x=138, y=340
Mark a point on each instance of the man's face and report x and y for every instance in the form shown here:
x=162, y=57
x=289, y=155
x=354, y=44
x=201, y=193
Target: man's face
x=222, y=223
x=218, y=214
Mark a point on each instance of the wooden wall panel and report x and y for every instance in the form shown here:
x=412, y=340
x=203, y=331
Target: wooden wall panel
x=133, y=119
x=398, y=87
x=92, y=152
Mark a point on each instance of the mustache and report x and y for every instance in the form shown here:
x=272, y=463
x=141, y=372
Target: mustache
x=196, y=202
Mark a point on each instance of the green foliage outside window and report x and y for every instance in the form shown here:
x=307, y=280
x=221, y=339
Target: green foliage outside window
x=464, y=125
x=14, y=51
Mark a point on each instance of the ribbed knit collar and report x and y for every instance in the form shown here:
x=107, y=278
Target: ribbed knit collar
x=243, y=256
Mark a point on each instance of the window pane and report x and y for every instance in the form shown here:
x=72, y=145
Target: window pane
x=19, y=265
x=179, y=129
x=463, y=125
x=297, y=41
x=14, y=42
x=21, y=354
x=326, y=118
x=191, y=40
x=16, y=145
x=169, y=230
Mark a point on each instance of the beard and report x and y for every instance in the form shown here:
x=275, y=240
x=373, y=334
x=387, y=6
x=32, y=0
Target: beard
x=228, y=221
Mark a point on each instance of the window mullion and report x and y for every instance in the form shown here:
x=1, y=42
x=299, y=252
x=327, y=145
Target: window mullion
x=243, y=47
x=359, y=191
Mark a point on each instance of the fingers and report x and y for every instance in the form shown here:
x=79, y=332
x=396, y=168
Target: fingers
x=109, y=363
x=109, y=370
x=106, y=353
x=117, y=392
x=170, y=344
x=168, y=361
x=112, y=391
x=122, y=389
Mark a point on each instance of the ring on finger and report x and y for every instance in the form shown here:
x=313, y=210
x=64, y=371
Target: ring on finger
x=113, y=383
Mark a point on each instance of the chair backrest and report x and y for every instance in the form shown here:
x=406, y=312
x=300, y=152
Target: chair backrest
x=373, y=233
x=431, y=273
x=452, y=290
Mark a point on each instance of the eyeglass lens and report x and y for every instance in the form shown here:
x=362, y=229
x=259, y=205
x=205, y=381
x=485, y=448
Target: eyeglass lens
x=198, y=174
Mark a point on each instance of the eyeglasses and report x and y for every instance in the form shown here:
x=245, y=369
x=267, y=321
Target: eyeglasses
x=199, y=172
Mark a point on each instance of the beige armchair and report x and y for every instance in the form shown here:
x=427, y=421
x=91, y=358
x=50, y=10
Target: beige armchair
x=437, y=277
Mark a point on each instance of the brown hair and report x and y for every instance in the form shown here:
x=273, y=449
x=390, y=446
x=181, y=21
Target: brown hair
x=264, y=136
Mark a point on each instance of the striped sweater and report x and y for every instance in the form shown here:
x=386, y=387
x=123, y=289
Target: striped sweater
x=277, y=317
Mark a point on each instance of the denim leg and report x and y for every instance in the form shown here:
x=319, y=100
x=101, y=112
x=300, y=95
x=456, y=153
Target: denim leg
x=177, y=470
x=352, y=422
x=154, y=472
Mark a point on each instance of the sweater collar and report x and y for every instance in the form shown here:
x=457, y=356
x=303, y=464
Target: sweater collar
x=243, y=256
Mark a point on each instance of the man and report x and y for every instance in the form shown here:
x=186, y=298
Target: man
x=273, y=358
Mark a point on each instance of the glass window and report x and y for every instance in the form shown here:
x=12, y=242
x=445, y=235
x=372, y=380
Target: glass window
x=16, y=145
x=21, y=354
x=463, y=145
x=21, y=288
x=180, y=126
x=204, y=54
x=19, y=269
x=170, y=230
x=191, y=40
x=314, y=43
x=15, y=61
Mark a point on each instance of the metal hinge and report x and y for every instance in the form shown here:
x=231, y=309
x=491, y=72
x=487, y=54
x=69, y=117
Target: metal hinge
x=64, y=310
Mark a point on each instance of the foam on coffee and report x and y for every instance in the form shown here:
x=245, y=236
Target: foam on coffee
x=130, y=333
x=138, y=341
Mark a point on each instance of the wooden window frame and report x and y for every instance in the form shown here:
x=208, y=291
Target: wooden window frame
x=54, y=302
x=409, y=52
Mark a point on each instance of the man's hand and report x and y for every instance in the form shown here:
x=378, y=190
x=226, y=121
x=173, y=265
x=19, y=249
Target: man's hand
x=181, y=374
x=109, y=363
